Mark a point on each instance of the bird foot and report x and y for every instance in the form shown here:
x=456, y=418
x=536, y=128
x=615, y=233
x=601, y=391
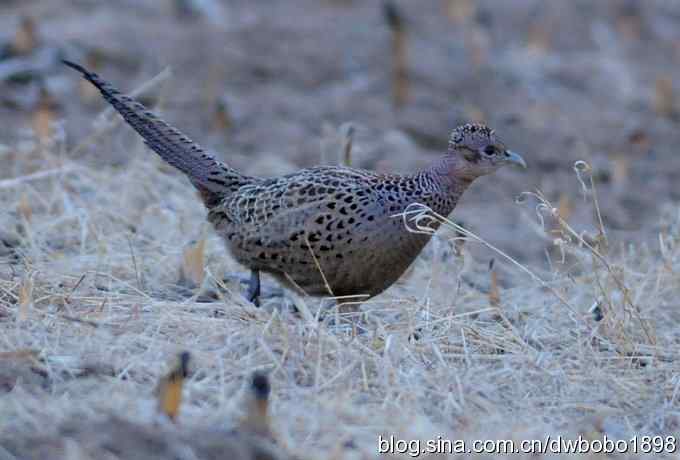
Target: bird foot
x=253, y=294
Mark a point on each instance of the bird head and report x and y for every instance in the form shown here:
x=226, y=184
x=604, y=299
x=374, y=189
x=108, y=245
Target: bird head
x=480, y=150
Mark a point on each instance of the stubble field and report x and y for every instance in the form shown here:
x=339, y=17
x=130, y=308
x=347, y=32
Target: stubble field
x=552, y=312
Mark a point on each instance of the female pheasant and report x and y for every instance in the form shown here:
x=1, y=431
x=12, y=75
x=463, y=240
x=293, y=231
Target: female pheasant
x=327, y=230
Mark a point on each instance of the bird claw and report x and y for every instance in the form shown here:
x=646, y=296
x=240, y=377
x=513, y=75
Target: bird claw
x=253, y=294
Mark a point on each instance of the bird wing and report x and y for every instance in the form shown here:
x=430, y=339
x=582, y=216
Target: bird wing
x=307, y=205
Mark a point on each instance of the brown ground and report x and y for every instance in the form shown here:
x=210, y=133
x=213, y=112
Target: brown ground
x=267, y=86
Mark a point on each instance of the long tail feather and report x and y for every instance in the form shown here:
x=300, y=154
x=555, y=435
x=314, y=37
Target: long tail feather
x=212, y=177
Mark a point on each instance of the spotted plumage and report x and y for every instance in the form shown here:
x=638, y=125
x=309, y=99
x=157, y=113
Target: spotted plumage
x=328, y=230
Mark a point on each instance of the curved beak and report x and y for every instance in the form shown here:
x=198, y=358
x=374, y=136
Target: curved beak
x=515, y=158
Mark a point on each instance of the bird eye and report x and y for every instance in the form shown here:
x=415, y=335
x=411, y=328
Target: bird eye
x=489, y=150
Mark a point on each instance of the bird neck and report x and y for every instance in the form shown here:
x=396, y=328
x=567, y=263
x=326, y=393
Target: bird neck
x=446, y=180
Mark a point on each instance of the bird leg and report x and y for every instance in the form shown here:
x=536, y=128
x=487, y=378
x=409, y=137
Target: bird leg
x=254, y=288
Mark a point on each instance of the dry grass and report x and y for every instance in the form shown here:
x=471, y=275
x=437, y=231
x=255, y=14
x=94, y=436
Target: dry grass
x=97, y=294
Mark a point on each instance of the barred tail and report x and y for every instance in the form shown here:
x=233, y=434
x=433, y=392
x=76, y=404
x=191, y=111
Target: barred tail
x=213, y=178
